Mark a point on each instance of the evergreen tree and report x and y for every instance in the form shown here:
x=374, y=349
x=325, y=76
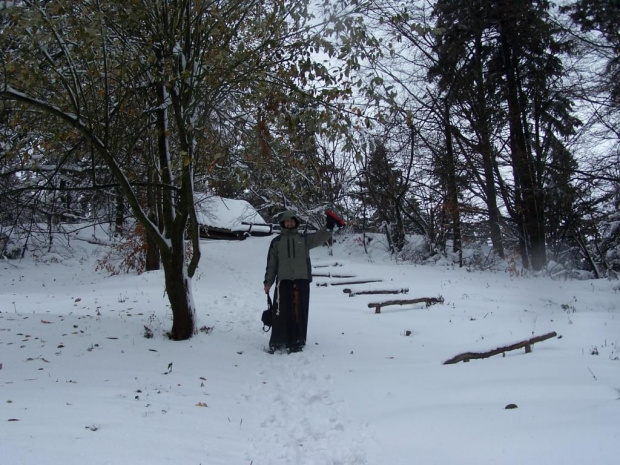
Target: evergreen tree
x=385, y=187
x=502, y=58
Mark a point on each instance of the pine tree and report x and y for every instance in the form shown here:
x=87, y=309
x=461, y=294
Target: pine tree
x=501, y=58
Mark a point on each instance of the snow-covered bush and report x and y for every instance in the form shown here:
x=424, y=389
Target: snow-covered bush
x=9, y=248
x=610, y=242
x=416, y=249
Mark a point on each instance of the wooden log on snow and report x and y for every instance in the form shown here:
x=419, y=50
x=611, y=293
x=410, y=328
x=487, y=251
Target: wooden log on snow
x=345, y=283
x=353, y=293
x=527, y=344
x=330, y=275
x=427, y=300
x=327, y=265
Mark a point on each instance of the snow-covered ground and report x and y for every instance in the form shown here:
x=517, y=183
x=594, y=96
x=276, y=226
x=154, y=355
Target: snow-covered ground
x=80, y=384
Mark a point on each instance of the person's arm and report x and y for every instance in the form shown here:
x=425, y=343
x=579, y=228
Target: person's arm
x=319, y=237
x=323, y=234
x=271, y=269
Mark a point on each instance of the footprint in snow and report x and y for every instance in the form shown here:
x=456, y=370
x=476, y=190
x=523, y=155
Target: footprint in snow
x=306, y=422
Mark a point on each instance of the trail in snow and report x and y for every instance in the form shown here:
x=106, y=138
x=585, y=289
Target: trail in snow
x=297, y=414
x=303, y=420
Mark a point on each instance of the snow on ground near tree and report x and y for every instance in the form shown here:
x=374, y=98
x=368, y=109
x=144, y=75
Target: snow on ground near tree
x=79, y=382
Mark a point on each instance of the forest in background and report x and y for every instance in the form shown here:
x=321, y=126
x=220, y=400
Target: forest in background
x=485, y=125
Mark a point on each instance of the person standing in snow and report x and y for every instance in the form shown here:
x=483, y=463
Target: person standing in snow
x=289, y=266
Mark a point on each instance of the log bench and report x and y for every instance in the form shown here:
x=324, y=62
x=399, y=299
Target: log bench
x=346, y=283
x=427, y=300
x=331, y=275
x=527, y=345
x=353, y=293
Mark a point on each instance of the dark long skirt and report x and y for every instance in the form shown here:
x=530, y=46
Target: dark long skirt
x=290, y=319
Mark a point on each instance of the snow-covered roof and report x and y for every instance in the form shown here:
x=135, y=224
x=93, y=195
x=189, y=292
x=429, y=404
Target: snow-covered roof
x=229, y=214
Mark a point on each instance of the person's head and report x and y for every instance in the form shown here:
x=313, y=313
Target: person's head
x=289, y=220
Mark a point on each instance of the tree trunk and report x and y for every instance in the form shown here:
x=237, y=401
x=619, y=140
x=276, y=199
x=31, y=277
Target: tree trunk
x=174, y=219
x=179, y=289
x=452, y=187
x=526, y=200
x=399, y=232
x=152, y=259
x=119, y=216
x=581, y=242
x=486, y=151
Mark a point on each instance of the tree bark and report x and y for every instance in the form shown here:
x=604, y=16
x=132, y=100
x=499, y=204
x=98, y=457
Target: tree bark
x=179, y=289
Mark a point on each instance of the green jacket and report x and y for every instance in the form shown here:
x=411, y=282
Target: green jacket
x=289, y=255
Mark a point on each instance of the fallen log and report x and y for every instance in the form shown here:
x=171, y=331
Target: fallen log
x=345, y=283
x=427, y=300
x=467, y=356
x=330, y=275
x=327, y=265
x=353, y=293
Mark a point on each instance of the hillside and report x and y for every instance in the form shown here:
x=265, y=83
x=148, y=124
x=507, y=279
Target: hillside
x=80, y=382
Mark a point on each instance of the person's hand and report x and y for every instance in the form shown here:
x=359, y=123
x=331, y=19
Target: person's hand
x=267, y=289
x=330, y=222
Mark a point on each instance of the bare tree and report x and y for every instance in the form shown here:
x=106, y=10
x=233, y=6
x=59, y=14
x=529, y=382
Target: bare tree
x=134, y=75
